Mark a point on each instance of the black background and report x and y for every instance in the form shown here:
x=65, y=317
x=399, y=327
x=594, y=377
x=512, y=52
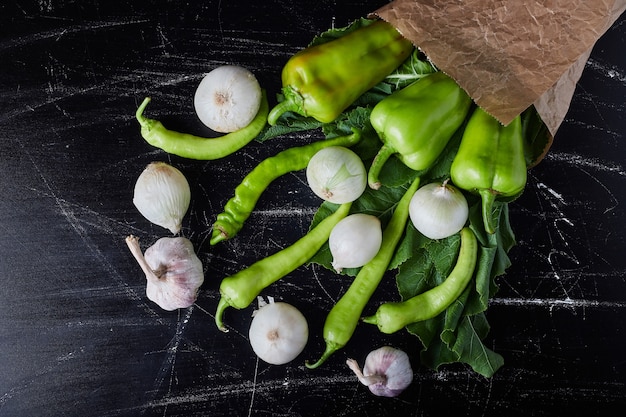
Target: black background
x=78, y=336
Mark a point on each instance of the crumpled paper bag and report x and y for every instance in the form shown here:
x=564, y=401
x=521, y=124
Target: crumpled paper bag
x=508, y=54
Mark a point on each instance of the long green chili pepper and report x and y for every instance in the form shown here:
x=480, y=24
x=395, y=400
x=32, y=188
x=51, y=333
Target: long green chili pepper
x=240, y=206
x=393, y=316
x=345, y=314
x=240, y=289
x=195, y=147
x=321, y=81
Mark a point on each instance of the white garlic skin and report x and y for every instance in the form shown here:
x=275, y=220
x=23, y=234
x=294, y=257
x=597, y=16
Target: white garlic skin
x=278, y=333
x=355, y=240
x=162, y=195
x=387, y=371
x=173, y=271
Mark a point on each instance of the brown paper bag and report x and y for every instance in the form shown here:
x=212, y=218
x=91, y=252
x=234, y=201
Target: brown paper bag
x=508, y=54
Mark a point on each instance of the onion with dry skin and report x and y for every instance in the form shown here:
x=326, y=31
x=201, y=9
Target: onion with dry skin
x=162, y=195
x=278, y=332
x=228, y=98
x=438, y=210
x=355, y=240
x=336, y=174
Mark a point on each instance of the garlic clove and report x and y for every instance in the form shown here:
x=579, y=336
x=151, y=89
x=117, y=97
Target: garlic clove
x=173, y=271
x=162, y=195
x=387, y=371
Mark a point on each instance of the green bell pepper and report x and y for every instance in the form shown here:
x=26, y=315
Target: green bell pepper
x=490, y=162
x=322, y=81
x=417, y=122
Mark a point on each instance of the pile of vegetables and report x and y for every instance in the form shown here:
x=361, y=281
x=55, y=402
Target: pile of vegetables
x=414, y=180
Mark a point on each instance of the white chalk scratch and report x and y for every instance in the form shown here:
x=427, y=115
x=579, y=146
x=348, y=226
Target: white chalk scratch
x=552, y=303
x=56, y=34
x=587, y=162
x=609, y=71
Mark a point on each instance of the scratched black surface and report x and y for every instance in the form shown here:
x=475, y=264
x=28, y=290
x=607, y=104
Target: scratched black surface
x=77, y=335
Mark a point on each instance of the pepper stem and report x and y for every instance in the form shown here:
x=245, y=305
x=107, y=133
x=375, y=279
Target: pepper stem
x=381, y=157
x=143, y=121
x=488, y=197
x=218, y=235
x=278, y=110
x=370, y=320
x=330, y=349
x=292, y=101
x=219, y=314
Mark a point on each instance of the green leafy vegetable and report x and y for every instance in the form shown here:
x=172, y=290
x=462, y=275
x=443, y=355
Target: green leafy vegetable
x=456, y=335
x=414, y=68
x=538, y=138
x=336, y=33
x=291, y=123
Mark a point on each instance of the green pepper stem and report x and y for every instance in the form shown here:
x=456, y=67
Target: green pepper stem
x=488, y=197
x=218, y=235
x=330, y=349
x=381, y=157
x=370, y=320
x=143, y=121
x=278, y=110
x=219, y=313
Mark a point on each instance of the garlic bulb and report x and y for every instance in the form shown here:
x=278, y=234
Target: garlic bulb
x=228, y=98
x=387, y=371
x=336, y=174
x=162, y=195
x=355, y=240
x=173, y=271
x=278, y=332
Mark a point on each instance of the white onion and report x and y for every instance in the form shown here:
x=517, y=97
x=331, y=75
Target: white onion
x=228, y=98
x=162, y=195
x=336, y=174
x=355, y=240
x=278, y=332
x=438, y=210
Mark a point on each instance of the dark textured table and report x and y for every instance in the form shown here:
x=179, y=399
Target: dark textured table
x=78, y=336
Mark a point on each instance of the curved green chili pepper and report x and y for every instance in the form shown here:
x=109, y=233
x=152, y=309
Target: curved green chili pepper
x=393, y=316
x=241, y=289
x=195, y=147
x=345, y=314
x=323, y=80
x=238, y=208
x=490, y=162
